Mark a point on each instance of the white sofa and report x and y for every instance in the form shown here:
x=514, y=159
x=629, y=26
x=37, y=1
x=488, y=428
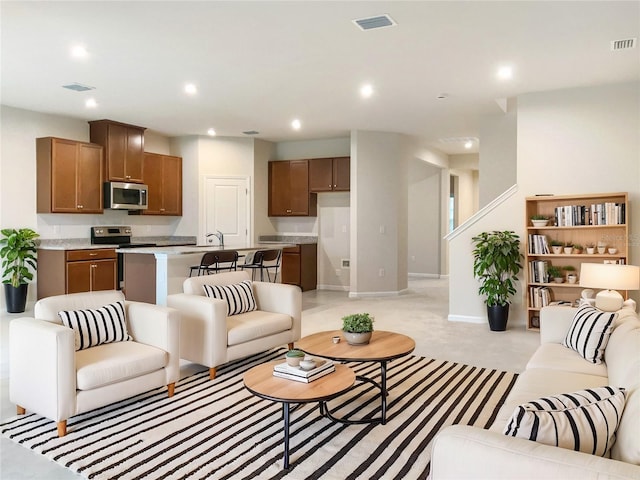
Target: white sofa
x=48, y=376
x=464, y=452
x=209, y=337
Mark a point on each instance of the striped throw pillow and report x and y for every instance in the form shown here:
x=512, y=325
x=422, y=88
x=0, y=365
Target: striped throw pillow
x=239, y=296
x=589, y=332
x=584, y=421
x=95, y=327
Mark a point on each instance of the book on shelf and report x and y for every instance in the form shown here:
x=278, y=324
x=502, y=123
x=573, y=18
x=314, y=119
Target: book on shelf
x=538, y=272
x=606, y=213
x=323, y=367
x=539, y=296
x=538, y=244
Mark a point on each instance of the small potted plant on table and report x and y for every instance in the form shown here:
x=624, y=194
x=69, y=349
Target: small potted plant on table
x=357, y=328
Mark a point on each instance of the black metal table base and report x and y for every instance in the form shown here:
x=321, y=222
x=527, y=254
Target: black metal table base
x=325, y=412
x=382, y=386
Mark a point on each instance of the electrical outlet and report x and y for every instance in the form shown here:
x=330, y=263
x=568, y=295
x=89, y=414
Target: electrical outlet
x=381, y=272
x=413, y=258
x=344, y=229
x=338, y=272
x=383, y=230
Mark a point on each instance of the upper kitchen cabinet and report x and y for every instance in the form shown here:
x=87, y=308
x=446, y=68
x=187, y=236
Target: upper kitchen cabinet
x=329, y=174
x=289, y=194
x=163, y=175
x=69, y=176
x=123, y=149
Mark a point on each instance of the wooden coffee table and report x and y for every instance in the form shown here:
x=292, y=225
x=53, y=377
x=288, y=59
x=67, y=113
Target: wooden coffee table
x=383, y=347
x=260, y=381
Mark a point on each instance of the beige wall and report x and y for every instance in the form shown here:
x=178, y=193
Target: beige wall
x=497, y=157
x=572, y=141
x=379, y=212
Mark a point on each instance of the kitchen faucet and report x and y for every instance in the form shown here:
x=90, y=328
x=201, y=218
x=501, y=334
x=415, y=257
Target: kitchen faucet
x=219, y=235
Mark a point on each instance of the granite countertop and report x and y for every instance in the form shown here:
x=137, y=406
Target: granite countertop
x=183, y=250
x=295, y=239
x=85, y=243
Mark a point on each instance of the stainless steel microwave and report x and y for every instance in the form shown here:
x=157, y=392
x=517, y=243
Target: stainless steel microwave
x=125, y=196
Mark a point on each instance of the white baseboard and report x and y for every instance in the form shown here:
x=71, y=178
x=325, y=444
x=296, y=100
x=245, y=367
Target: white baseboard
x=425, y=275
x=335, y=288
x=466, y=318
x=377, y=294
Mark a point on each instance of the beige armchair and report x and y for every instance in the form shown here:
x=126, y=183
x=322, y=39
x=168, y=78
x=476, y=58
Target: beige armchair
x=209, y=337
x=48, y=376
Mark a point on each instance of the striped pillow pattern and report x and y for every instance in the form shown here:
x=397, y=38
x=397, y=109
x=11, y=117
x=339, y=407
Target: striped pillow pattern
x=95, y=327
x=239, y=296
x=584, y=421
x=589, y=332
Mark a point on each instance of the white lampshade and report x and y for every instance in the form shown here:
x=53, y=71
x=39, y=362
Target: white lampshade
x=610, y=277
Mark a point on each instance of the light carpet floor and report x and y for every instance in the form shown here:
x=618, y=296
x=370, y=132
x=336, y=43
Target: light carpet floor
x=217, y=429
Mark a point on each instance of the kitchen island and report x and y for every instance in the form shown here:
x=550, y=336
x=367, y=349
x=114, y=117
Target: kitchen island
x=150, y=274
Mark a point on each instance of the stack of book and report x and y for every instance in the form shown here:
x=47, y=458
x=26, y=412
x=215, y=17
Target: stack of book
x=323, y=367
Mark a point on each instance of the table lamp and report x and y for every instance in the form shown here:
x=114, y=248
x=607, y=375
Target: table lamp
x=610, y=277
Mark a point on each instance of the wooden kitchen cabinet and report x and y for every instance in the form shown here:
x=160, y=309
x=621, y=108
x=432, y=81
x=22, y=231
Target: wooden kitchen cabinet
x=69, y=176
x=73, y=271
x=289, y=190
x=300, y=266
x=123, y=149
x=330, y=174
x=163, y=175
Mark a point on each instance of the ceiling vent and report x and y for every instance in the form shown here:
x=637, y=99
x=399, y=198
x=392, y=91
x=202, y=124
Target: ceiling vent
x=76, y=87
x=625, y=44
x=370, y=23
x=251, y=132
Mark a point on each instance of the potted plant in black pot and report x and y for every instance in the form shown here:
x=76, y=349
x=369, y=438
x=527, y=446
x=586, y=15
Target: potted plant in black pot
x=496, y=263
x=18, y=254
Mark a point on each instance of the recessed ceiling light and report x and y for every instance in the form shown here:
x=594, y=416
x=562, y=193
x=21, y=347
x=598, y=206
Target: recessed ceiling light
x=442, y=96
x=190, y=89
x=211, y=132
x=468, y=144
x=79, y=51
x=505, y=73
x=296, y=125
x=366, y=90
x=91, y=103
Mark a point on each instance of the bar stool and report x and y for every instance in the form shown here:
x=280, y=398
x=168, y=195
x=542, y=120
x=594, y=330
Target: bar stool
x=265, y=260
x=214, y=262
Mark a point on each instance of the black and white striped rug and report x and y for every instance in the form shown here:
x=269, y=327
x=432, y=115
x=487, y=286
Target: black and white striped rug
x=218, y=430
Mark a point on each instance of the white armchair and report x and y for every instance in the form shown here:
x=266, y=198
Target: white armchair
x=48, y=376
x=209, y=337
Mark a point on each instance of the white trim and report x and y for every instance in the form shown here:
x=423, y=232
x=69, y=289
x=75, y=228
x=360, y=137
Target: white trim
x=334, y=288
x=466, y=319
x=424, y=275
x=377, y=294
x=483, y=212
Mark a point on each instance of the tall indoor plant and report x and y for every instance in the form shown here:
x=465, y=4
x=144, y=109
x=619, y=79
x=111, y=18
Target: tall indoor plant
x=496, y=263
x=18, y=254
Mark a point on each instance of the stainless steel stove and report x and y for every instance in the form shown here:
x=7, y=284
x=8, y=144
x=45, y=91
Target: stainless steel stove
x=120, y=236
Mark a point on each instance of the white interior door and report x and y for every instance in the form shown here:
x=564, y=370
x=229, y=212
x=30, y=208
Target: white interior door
x=227, y=210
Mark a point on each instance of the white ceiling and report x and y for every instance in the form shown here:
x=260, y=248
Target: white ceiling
x=258, y=65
